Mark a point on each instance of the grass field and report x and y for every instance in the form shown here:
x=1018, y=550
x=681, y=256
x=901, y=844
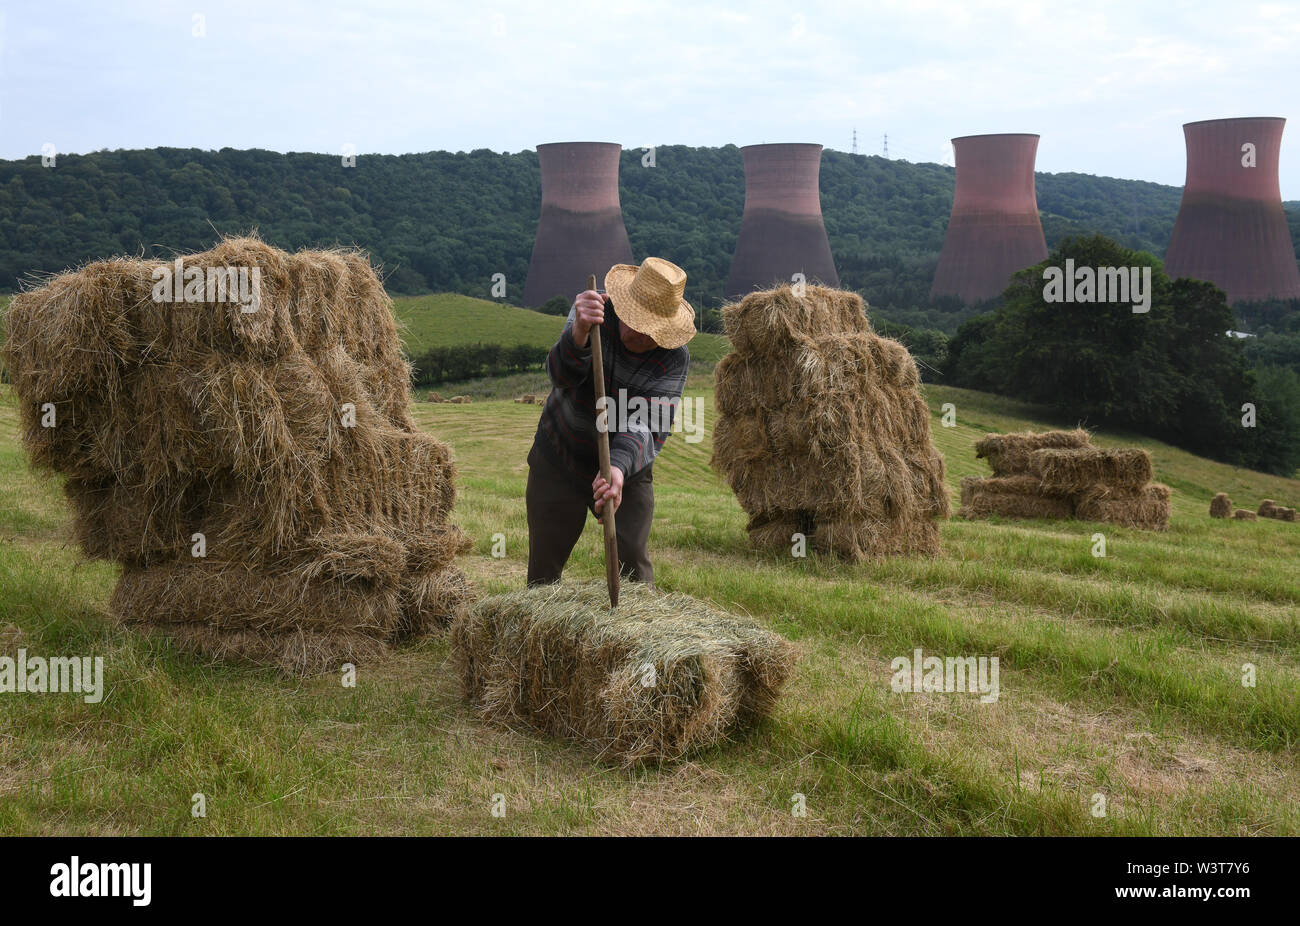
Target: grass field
x=1120, y=677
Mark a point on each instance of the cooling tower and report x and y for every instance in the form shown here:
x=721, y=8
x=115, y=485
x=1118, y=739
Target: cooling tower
x=581, y=229
x=994, y=229
x=1231, y=229
x=781, y=230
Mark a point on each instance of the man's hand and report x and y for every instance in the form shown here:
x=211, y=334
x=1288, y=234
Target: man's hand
x=589, y=309
x=602, y=492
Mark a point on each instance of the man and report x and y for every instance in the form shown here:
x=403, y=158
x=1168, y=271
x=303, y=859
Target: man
x=645, y=327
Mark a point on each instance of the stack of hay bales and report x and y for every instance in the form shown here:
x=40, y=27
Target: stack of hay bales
x=1244, y=514
x=529, y=398
x=1058, y=475
x=822, y=430
x=658, y=677
x=257, y=474
x=1221, y=506
x=1271, y=509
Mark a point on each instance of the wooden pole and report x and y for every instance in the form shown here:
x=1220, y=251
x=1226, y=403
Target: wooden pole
x=602, y=441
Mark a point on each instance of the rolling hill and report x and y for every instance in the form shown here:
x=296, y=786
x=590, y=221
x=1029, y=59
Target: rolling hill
x=448, y=319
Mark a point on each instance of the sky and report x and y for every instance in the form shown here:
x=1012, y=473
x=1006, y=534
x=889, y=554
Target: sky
x=1106, y=84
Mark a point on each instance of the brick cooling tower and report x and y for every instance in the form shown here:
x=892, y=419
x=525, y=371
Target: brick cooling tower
x=781, y=230
x=1231, y=229
x=581, y=229
x=994, y=228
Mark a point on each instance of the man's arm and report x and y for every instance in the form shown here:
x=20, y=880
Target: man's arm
x=569, y=362
x=634, y=449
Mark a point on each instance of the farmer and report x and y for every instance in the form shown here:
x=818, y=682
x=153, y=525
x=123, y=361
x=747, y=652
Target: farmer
x=646, y=324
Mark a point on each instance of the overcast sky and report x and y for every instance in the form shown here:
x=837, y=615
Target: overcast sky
x=1107, y=85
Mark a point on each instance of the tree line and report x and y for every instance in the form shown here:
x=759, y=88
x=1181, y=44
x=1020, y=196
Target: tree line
x=446, y=222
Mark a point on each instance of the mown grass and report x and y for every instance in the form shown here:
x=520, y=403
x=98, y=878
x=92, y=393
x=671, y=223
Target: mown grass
x=1120, y=676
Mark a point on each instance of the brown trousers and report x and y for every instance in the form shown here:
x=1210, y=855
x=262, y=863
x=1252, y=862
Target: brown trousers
x=557, y=512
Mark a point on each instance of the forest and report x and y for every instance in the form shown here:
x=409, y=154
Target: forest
x=446, y=222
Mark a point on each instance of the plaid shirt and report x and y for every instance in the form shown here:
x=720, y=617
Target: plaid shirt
x=566, y=432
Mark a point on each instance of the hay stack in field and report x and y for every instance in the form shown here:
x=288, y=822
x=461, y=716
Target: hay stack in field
x=1087, y=469
x=1271, y=509
x=1244, y=514
x=1146, y=509
x=1010, y=454
x=1221, y=506
x=1059, y=475
x=459, y=400
x=256, y=473
x=1011, y=497
x=433, y=397
x=822, y=430
x=658, y=677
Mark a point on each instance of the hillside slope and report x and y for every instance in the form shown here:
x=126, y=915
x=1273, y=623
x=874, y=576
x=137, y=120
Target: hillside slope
x=448, y=319
x=1120, y=677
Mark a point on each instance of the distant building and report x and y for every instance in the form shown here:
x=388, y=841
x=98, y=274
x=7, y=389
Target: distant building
x=994, y=228
x=1231, y=229
x=580, y=231
x=781, y=230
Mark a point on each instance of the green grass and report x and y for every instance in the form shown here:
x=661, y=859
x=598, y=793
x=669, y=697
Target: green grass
x=448, y=319
x=1119, y=676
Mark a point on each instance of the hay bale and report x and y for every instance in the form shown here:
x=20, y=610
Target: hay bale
x=1147, y=510
x=1011, y=454
x=1244, y=514
x=661, y=676
x=1221, y=506
x=1011, y=497
x=282, y=435
x=1271, y=509
x=459, y=400
x=818, y=414
x=1092, y=470
x=433, y=397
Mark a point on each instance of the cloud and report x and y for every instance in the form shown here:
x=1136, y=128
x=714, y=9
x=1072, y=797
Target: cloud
x=403, y=75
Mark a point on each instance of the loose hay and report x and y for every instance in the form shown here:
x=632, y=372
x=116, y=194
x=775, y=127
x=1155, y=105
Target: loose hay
x=283, y=436
x=821, y=423
x=558, y=658
x=1221, y=506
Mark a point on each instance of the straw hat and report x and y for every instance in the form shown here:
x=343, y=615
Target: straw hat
x=649, y=299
